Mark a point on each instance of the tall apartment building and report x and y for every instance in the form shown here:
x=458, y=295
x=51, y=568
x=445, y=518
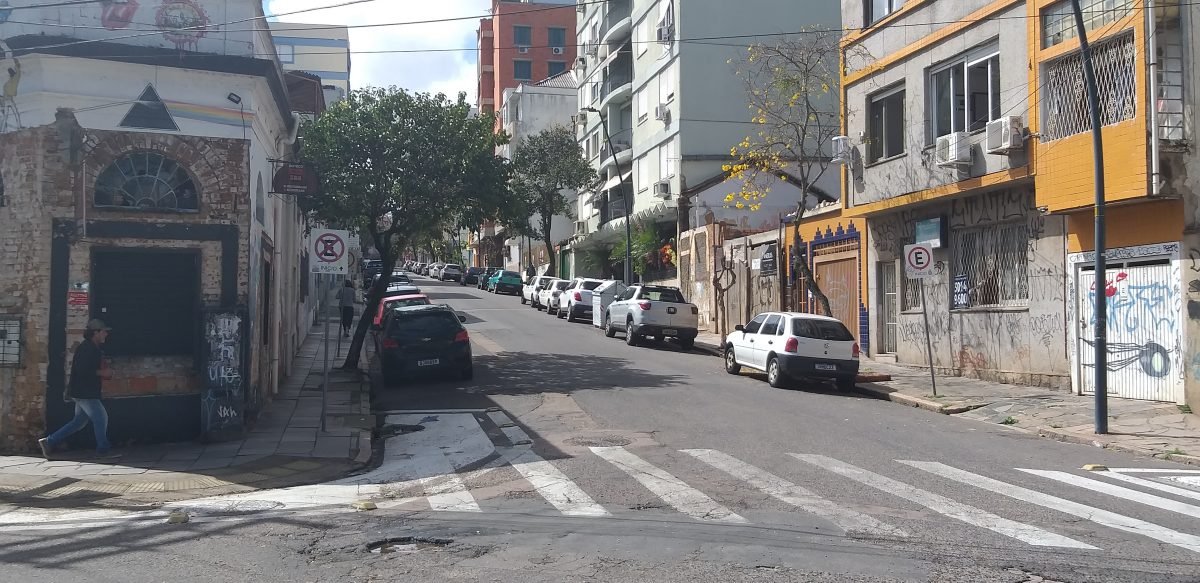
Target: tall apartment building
x=673, y=108
x=522, y=42
x=970, y=132
x=320, y=49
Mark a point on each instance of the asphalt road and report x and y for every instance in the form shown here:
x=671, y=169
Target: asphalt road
x=650, y=464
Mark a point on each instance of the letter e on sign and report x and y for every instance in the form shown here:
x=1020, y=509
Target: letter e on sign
x=918, y=261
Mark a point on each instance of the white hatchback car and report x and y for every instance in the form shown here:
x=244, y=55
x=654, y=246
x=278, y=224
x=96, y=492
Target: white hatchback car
x=792, y=345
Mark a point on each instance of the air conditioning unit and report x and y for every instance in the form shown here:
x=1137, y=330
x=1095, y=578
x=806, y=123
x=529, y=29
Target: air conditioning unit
x=581, y=62
x=842, y=152
x=662, y=188
x=581, y=227
x=522, y=50
x=952, y=149
x=1004, y=135
x=664, y=32
x=556, y=50
x=593, y=50
x=662, y=112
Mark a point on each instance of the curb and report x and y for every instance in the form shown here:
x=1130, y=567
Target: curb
x=710, y=349
x=903, y=399
x=1072, y=437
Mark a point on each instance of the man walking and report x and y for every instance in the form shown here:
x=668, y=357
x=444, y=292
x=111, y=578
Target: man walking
x=346, y=297
x=87, y=371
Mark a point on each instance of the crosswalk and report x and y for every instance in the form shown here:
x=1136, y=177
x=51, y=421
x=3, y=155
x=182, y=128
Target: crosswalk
x=714, y=487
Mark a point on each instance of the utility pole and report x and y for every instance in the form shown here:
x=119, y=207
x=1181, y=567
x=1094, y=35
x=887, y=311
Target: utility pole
x=626, y=196
x=1101, y=284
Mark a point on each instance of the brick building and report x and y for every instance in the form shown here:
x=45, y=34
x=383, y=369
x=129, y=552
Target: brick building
x=523, y=42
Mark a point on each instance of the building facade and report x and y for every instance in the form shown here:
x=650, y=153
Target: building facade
x=320, y=49
x=137, y=177
x=522, y=42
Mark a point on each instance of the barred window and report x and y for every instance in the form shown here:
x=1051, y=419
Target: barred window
x=1066, y=101
x=995, y=261
x=910, y=295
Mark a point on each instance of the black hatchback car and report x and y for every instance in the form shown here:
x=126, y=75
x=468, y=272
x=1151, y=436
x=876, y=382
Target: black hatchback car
x=420, y=340
x=471, y=275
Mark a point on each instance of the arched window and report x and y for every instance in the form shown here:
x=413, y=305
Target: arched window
x=146, y=180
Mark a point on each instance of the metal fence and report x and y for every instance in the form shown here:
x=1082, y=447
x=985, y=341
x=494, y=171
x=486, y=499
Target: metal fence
x=995, y=260
x=1066, y=97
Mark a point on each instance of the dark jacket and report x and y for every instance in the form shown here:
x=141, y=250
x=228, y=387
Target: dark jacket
x=85, y=371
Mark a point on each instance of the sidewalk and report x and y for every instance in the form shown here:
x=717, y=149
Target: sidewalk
x=284, y=447
x=1149, y=428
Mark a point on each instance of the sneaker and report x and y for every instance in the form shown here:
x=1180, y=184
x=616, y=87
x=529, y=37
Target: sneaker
x=106, y=455
x=45, y=445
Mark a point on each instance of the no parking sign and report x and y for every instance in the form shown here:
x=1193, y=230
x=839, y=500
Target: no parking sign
x=330, y=251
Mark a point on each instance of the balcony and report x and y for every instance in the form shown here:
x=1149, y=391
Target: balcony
x=620, y=152
x=618, y=22
x=618, y=88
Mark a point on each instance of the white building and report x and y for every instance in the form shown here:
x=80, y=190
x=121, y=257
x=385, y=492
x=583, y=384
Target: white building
x=320, y=49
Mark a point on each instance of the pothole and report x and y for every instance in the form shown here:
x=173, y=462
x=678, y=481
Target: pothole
x=392, y=429
x=600, y=441
x=406, y=544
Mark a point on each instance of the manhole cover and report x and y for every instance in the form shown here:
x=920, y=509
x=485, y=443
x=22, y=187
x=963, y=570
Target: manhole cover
x=600, y=441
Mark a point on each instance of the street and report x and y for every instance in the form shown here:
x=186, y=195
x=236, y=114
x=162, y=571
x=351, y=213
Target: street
x=573, y=457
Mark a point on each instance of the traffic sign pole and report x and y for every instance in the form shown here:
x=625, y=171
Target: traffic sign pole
x=918, y=264
x=928, y=343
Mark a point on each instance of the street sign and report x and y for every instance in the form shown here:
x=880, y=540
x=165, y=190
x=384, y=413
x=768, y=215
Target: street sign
x=768, y=265
x=918, y=261
x=298, y=179
x=330, y=251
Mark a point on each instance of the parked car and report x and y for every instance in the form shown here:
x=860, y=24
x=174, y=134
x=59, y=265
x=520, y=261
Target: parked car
x=435, y=270
x=471, y=275
x=533, y=285
x=578, y=302
x=655, y=311
x=399, y=277
x=419, y=268
x=790, y=345
x=451, y=271
x=398, y=301
x=548, y=297
x=396, y=289
x=424, y=339
x=505, y=281
x=487, y=276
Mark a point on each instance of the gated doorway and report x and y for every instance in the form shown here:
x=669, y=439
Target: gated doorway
x=837, y=276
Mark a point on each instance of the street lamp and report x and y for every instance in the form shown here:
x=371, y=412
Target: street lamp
x=628, y=211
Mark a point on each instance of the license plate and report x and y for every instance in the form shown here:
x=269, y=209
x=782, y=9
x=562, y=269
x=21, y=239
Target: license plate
x=826, y=367
x=670, y=332
x=429, y=362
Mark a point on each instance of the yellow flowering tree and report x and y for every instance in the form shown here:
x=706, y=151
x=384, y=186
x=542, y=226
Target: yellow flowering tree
x=792, y=94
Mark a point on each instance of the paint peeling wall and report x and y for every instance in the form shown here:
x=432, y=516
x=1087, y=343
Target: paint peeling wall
x=1024, y=344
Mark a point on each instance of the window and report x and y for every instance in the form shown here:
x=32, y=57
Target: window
x=645, y=34
x=877, y=9
x=287, y=53
x=666, y=160
x=558, y=37
x=1058, y=21
x=522, y=36
x=666, y=85
x=146, y=180
x=771, y=326
x=523, y=70
x=821, y=329
x=885, y=124
x=643, y=174
x=555, y=67
x=1066, y=104
x=994, y=259
x=755, y=324
x=643, y=106
x=965, y=94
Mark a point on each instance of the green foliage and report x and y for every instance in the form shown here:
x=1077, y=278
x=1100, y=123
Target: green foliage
x=645, y=243
x=544, y=166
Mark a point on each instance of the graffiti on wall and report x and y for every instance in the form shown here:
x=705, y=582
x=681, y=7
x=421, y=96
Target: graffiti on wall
x=182, y=22
x=1193, y=305
x=223, y=400
x=117, y=15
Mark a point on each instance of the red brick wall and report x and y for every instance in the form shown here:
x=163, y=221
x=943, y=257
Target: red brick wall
x=539, y=18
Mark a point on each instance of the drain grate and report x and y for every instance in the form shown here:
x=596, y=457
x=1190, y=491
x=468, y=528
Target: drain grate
x=600, y=441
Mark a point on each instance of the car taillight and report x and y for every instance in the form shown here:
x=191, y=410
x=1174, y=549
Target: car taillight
x=390, y=343
x=695, y=310
x=791, y=345
x=644, y=305
x=462, y=336
x=578, y=297
x=855, y=351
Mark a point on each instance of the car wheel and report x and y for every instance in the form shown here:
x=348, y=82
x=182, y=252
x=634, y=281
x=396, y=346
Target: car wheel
x=609, y=331
x=846, y=384
x=570, y=314
x=523, y=302
x=686, y=344
x=731, y=365
x=631, y=338
x=468, y=373
x=775, y=376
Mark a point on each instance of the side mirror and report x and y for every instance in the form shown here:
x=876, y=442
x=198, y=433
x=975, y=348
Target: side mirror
x=739, y=328
x=462, y=318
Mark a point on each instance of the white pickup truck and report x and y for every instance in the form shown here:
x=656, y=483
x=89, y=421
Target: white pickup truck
x=652, y=310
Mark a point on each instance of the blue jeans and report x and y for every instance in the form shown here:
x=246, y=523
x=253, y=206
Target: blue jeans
x=85, y=409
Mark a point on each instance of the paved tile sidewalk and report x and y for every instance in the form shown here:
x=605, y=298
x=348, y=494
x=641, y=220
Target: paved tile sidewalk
x=1142, y=427
x=284, y=447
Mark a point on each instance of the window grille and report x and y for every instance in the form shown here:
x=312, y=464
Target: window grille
x=11, y=341
x=1066, y=95
x=996, y=262
x=1058, y=21
x=146, y=180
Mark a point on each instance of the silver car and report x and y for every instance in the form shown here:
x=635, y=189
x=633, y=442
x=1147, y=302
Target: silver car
x=450, y=271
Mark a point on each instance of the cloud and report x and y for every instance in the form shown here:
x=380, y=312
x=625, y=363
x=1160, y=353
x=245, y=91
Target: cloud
x=448, y=72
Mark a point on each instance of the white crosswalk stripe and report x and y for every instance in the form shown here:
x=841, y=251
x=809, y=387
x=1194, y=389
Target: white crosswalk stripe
x=968, y=514
x=556, y=487
x=1161, y=487
x=1118, y=491
x=670, y=489
x=780, y=489
x=1103, y=517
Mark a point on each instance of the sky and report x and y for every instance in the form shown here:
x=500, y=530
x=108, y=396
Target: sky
x=447, y=72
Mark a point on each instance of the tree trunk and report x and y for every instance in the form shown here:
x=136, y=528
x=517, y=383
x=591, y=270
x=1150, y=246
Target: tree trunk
x=371, y=298
x=547, y=221
x=810, y=282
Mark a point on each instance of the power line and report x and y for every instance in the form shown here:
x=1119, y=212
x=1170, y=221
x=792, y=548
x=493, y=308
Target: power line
x=53, y=4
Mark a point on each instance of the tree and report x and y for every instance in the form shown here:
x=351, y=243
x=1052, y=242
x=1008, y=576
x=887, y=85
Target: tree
x=397, y=166
x=791, y=90
x=544, y=165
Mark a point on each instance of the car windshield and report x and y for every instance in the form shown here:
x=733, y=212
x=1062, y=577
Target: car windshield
x=424, y=325
x=453, y=266
x=662, y=294
x=821, y=329
x=407, y=302
x=561, y=285
x=591, y=285
x=510, y=274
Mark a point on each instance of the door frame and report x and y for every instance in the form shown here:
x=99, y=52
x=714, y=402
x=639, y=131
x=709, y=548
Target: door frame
x=1075, y=264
